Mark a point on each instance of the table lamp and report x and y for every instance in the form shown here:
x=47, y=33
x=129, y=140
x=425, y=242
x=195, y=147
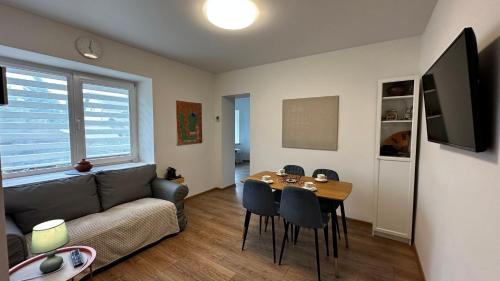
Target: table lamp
x=46, y=238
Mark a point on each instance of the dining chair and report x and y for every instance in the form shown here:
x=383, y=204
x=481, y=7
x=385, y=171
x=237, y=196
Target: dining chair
x=331, y=206
x=294, y=170
x=300, y=207
x=258, y=199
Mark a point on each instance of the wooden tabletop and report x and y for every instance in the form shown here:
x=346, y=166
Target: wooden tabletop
x=29, y=269
x=335, y=190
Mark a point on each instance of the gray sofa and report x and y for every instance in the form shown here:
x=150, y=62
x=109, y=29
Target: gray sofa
x=117, y=211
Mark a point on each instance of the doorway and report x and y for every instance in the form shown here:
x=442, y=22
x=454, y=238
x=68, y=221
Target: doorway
x=241, y=137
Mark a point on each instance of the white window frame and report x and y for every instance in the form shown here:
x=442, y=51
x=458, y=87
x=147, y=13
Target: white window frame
x=75, y=81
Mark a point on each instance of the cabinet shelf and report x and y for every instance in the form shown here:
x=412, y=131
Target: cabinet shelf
x=396, y=121
x=398, y=97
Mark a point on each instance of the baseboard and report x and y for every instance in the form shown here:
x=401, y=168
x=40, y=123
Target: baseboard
x=203, y=192
x=229, y=186
x=418, y=261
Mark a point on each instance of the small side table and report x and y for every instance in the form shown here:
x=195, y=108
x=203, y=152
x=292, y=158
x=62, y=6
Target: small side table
x=29, y=269
x=179, y=180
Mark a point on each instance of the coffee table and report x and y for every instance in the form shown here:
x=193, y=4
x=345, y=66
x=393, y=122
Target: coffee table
x=29, y=269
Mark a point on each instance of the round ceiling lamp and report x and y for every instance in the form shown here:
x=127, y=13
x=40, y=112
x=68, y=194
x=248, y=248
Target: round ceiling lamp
x=231, y=14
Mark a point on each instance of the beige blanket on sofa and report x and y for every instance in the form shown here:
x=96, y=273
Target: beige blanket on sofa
x=123, y=229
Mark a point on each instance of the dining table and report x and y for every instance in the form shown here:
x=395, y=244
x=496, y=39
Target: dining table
x=336, y=191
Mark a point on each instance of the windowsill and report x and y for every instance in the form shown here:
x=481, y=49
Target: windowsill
x=61, y=175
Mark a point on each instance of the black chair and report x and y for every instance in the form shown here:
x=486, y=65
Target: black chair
x=294, y=170
x=258, y=199
x=332, y=206
x=300, y=207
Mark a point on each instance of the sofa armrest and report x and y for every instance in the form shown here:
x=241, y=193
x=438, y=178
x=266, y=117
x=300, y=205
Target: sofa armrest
x=173, y=192
x=16, y=243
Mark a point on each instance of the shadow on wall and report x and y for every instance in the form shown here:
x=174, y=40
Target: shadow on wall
x=489, y=68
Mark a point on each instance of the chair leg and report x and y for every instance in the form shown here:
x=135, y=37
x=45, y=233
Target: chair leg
x=297, y=230
x=344, y=223
x=265, y=228
x=245, y=231
x=337, y=223
x=317, y=252
x=284, y=224
x=285, y=237
x=335, y=249
x=260, y=225
x=325, y=231
x=274, y=240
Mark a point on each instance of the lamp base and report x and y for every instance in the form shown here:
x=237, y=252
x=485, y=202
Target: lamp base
x=51, y=263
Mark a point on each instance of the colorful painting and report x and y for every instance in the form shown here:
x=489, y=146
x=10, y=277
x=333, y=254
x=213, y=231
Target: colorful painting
x=188, y=123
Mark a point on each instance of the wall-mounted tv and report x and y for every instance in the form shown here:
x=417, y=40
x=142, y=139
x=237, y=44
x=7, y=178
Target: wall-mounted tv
x=453, y=103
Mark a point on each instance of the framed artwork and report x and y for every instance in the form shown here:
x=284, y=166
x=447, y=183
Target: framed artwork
x=189, y=127
x=311, y=123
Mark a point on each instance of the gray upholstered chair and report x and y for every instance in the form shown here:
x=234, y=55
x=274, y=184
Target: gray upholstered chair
x=300, y=207
x=331, y=206
x=258, y=199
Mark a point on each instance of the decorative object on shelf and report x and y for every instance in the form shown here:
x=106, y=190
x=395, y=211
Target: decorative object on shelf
x=397, y=144
x=171, y=174
x=88, y=47
x=391, y=115
x=47, y=237
x=189, y=126
x=398, y=90
x=409, y=113
x=83, y=166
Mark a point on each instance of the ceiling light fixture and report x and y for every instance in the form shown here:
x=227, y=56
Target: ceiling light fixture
x=231, y=14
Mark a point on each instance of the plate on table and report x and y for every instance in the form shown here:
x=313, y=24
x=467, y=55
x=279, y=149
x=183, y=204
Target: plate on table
x=282, y=175
x=312, y=188
x=268, y=181
x=320, y=180
x=291, y=180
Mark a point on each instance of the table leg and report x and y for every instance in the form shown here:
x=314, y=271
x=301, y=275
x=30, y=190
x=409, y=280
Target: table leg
x=344, y=223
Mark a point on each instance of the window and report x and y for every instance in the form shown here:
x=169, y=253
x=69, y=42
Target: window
x=54, y=118
x=34, y=127
x=237, y=127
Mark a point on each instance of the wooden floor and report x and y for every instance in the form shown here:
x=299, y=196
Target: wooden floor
x=210, y=249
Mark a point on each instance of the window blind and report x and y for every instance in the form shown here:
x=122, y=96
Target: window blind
x=107, y=121
x=34, y=126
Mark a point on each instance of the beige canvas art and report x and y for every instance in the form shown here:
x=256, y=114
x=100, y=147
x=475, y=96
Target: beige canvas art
x=311, y=123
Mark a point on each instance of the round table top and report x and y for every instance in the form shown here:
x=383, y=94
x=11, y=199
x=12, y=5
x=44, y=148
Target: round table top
x=29, y=269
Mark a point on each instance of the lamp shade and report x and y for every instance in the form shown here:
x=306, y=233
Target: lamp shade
x=49, y=236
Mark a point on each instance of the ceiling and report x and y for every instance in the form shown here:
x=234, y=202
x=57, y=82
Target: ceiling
x=285, y=28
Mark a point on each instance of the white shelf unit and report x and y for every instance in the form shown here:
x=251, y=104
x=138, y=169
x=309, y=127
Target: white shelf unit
x=395, y=165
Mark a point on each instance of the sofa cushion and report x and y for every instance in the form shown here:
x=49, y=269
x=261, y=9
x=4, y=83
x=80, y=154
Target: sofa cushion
x=123, y=229
x=124, y=185
x=66, y=199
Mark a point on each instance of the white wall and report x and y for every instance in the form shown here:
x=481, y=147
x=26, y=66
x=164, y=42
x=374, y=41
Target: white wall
x=171, y=81
x=243, y=105
x=457, y=227
x=352, y=74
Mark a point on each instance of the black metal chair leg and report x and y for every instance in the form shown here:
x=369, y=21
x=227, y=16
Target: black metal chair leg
x=245, y=231
x=297, y=230
x=260, y=225
x=265, y=227
x=284, y=224
x=337, y=223
x=325, y=231
x=291, y=233
x=335, y=247
x=344, y=223
x=274, y=240
x=317, y=252
x=285, y=237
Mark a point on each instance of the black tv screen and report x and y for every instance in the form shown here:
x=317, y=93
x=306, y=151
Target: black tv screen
x=451, y=96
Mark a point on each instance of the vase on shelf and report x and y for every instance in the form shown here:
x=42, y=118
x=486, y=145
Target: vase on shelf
x=83, y=166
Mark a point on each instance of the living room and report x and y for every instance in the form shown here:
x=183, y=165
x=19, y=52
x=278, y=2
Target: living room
x=164, y=76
